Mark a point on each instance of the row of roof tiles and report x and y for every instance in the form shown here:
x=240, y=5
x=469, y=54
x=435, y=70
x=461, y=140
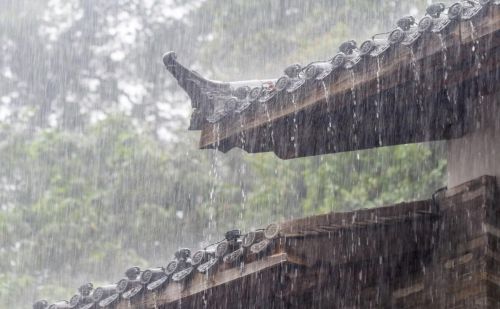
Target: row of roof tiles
x=234, y=249
x=215, y=100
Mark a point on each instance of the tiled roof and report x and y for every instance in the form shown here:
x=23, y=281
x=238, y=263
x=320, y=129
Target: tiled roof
x=239, y=255
x=331, y=260
x=214, y=100
x=233, y=249
x=234, y=107
x=335, y=256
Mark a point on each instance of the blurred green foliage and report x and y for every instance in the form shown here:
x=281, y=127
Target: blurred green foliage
x=97, y=175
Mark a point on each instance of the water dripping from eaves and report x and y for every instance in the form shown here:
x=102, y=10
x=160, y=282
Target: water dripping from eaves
x=295, y=135
x=477, y=60
x=377, y=101
x=444, y=51
x=328, y=107
x=268, y=115
x=354, y=104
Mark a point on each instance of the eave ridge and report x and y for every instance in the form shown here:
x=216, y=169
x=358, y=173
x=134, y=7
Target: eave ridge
x=214, y=100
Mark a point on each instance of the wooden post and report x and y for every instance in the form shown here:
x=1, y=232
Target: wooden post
x=477, y=153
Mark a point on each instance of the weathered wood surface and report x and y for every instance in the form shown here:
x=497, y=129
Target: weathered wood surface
x=477, y=153
x=344, y=220
x=459, y=270
x=413, y=255
x=408, y=95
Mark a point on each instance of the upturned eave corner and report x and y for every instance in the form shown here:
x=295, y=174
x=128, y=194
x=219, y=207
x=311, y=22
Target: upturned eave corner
x=204, y=93
x=185, y=77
